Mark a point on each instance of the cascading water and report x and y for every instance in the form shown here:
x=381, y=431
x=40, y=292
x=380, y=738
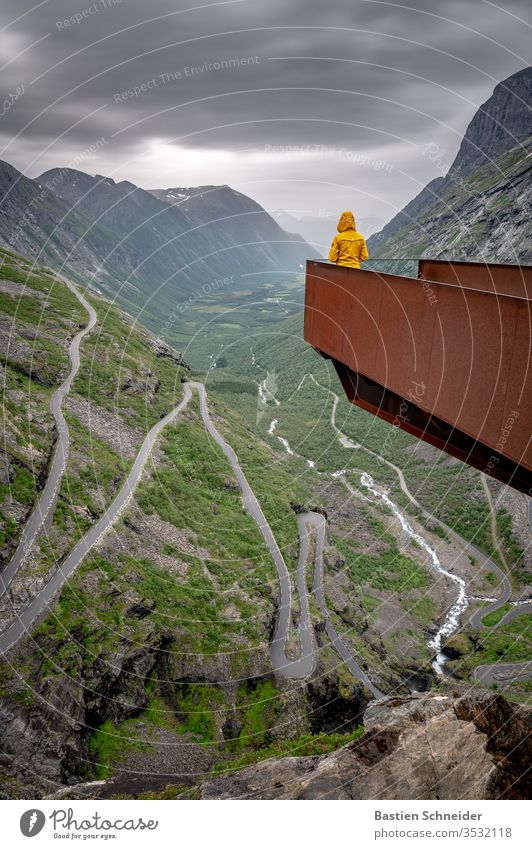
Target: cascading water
x=452, y=619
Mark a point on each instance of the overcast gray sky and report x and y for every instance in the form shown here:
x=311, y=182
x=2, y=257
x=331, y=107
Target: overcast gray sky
x=304, y=105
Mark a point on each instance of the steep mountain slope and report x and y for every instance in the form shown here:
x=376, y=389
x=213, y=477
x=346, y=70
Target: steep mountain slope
x=480, y=208
x=34, y=221
x=501, y=124
x=152, y=257
x=242, y=219
x=402, y=737
x=155, y=656
x=37, y=320
x=153, y=665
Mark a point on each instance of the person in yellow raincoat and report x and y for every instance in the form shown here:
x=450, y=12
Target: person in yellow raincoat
x=349, y=246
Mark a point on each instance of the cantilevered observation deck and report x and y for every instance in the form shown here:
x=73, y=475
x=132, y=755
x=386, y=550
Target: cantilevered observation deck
x=446, y=357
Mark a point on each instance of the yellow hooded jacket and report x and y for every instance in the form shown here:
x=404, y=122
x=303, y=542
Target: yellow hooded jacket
x=349, y=246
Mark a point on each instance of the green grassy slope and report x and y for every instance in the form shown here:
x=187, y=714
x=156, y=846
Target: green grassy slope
x=170, y=616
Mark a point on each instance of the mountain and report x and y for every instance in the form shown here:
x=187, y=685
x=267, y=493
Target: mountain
x=154, y=257
x=480, y=208
x=501, y=124
x=38, y=223
x=151, y=669
x=242, y=219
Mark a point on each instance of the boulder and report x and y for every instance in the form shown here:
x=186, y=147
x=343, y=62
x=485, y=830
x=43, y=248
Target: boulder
x=417, y=747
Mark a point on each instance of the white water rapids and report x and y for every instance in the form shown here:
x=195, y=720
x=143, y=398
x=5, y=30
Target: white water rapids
x=286, y=445
x=453, y=616
x=284, y=442
x=265, y=394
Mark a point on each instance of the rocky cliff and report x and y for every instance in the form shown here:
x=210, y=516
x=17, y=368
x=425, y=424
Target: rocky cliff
x=418, y=747
x=479, y=209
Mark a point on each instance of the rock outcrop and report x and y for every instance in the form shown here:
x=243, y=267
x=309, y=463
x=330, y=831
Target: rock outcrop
x=500, y=124
x=163, y=350
x=478, y=208
x=476, y=746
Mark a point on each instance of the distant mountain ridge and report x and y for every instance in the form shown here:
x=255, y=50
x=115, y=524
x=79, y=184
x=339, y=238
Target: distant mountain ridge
x=480, y=208
x=228, y=208
x=152, y=254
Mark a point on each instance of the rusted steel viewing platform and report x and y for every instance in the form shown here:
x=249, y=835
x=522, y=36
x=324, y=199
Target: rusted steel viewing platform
x=446, y=356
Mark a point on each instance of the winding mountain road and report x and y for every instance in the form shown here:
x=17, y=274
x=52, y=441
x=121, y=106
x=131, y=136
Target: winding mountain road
x=305, y=662
x=45, y=597
x=295, y=668
x=48, y=496
x=304, y=665
x=517, y=610
x=318, y=523
x=501, y=672
x=301, y=667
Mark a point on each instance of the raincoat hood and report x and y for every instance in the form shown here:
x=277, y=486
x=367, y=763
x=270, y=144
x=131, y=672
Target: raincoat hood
x=346, y=222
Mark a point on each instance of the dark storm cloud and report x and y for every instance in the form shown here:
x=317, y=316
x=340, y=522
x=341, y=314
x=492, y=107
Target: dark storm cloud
x=363, y=75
